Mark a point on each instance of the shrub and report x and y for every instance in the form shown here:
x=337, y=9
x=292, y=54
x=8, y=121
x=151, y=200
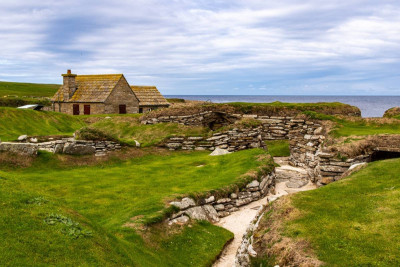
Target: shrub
x=88, y=133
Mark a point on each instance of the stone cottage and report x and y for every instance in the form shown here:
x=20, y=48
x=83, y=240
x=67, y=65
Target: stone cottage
x=149, y=98
x=97, y=94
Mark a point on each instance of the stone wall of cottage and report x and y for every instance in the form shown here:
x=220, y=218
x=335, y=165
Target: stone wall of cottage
x=95, y=108
x=213, y=208
x=121, y=95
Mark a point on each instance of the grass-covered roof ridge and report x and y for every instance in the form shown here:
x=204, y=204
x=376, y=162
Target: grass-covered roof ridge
x=264, y=109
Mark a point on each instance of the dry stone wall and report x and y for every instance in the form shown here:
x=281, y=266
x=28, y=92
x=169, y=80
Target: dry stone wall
x=213, y=208
x=19, y=148
x=269, y=128
x=233, y=140
x=79, y=147
x=272, y=128
x=64, y=146
x=305, y=142
x=330, y=168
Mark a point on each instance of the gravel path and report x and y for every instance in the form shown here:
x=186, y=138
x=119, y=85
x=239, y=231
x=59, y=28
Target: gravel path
x=238, y=221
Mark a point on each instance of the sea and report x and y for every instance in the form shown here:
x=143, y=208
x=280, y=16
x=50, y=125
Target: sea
x=370, y=106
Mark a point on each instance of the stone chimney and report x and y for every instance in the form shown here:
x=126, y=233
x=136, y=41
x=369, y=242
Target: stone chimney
x=69, y=86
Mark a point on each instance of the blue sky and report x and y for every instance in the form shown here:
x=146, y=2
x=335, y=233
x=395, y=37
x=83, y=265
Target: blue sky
x=236, y=47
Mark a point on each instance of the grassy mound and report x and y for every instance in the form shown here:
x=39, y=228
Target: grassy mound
x=126, y=129
x=352, y=222
x=392, y=113
x=16, y=122
x=266, y=109
x=27, y=89
x=112, y=201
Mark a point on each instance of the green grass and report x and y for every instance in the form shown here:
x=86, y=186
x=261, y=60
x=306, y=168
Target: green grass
x=278, y=148
x=128, y=129
x=349, y=128
x=16, y=122
x=102, y=199
x=27, y=89
x=357, y=127
x=353, y=222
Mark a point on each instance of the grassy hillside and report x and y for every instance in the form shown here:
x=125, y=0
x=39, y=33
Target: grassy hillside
x=352, y=222
x=15, y=122
x=102, y=199
x=27, y=89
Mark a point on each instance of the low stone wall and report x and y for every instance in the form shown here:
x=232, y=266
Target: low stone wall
x=79, y=147
x=19, y=148
x=64, y=146
x=213, y=208
x=331, y=169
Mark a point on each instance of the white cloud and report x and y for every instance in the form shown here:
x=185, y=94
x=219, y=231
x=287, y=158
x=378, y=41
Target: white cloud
x=200, y=42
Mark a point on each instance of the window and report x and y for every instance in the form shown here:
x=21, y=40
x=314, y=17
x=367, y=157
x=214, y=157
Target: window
x=140, y=110
x=75, y=109
x=122, y=109
x=86, y=109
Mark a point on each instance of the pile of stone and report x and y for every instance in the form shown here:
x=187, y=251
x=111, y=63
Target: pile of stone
x=212, y=209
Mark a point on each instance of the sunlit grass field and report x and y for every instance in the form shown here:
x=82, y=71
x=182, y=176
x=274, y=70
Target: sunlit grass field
x=105, y=197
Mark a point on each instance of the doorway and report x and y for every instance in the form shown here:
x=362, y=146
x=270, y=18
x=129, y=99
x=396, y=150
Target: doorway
x=86, y=109
x=122, y=109
x=75, y=109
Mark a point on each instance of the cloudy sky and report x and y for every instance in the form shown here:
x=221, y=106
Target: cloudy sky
x=235, y=47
